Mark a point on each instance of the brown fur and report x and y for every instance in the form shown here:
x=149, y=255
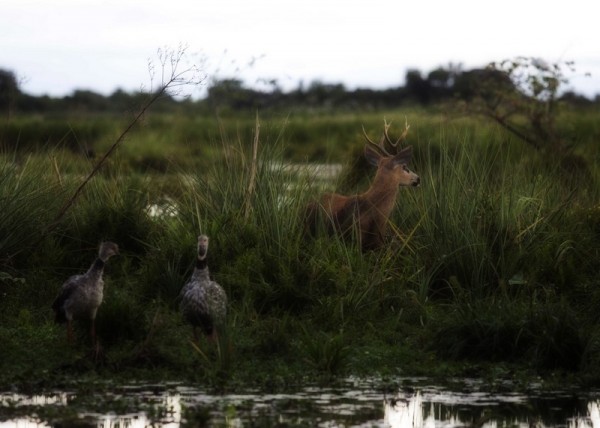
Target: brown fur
x=369, y=211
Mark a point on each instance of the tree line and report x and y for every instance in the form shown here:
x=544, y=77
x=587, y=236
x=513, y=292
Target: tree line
x=439, y=85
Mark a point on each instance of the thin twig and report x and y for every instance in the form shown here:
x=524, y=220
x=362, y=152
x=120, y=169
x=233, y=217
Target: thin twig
x=61, y=213
x=176, y=79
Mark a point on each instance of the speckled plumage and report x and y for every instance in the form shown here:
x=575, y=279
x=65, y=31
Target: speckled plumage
x=81, y=295
x=203, y=301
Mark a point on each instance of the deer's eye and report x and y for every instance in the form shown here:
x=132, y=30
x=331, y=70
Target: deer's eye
x=405, y=168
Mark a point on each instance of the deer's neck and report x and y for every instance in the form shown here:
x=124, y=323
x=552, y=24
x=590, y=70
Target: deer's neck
x=382, y=193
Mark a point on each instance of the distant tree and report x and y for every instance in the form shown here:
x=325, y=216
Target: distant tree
x=121, y=100
x=321, y=94
x=575, y=99
x=440, y=82
x=522, y=96
x=482, y=83
x=229, y=93
x=9, y=90
x=31, y=104
x=417, y=87
x=82, y=100
x=440, y=78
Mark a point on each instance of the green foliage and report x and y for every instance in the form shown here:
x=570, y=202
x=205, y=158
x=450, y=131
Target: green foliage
x=492, y=259
x=114, y=209
x=545, y=334
x=487, y=218
x=215, y=359
x=38, y=134
x=558, y=340
x=484, y=329
x=28, y=198
x=272, y=335
x=522, y=96
x=327, y=354
x=123, y=315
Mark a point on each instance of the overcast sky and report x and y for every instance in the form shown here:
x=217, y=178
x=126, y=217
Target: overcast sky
x=57, y=46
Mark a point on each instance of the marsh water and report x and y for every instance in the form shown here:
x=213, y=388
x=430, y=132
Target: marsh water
x=352, y=403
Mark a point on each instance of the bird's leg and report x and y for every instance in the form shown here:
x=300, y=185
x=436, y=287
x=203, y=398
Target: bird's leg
x=97, y=351
x=93, y=332
x=69, y=331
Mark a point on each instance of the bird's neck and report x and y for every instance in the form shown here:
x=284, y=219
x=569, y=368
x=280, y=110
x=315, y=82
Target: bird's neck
x=201, y=263
x=201, y=271
x=97, y=267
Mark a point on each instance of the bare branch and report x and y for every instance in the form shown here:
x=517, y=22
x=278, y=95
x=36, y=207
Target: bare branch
x=172, y=77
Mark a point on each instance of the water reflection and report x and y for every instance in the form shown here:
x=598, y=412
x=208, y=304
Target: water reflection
x=489, y=411
x=591, y=420
x=357, y=403
x=401, y=413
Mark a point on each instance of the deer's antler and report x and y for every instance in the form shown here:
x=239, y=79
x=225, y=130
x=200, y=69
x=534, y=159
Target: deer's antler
x=386, y=138
x=378, y=146
x=402, y=137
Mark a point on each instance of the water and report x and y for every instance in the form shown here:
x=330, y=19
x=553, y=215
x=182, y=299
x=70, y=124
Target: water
x=355, y=403
x=321, y=176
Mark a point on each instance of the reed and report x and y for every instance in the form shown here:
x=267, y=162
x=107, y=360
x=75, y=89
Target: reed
x=28, y=195
x=493, y=242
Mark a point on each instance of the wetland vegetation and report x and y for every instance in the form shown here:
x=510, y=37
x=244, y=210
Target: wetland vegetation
x=493, y=259
x=491, y=268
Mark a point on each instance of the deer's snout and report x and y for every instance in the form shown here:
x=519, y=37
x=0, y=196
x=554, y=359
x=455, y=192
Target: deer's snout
x=416, y=182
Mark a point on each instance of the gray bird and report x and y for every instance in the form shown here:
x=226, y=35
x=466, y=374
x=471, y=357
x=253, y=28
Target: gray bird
x=203, y=301
x=81, y=295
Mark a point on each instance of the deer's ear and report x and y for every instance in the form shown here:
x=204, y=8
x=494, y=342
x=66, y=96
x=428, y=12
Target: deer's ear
x=404, y=156
x=372, y=155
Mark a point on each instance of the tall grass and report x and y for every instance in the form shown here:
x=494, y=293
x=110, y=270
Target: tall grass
x=29, y=192
x=493, y=258
x=485, y=218
x=498, y=248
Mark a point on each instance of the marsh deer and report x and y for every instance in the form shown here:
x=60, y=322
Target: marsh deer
x=366, y=214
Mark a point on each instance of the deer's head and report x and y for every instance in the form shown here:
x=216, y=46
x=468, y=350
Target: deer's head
x=393, y=165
